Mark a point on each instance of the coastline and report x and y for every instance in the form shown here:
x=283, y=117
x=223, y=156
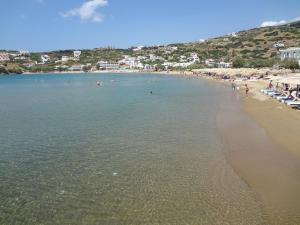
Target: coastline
x=255, y=134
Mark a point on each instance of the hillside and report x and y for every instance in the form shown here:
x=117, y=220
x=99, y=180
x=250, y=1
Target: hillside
x=255, y=47
x=252, y=44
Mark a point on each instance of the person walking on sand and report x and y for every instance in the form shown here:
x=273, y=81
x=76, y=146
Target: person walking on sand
x=247, y=89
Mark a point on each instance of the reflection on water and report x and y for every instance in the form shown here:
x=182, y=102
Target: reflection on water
x=74, y=153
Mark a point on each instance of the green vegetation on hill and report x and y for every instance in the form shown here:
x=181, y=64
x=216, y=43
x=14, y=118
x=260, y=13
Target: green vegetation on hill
x=251, y=48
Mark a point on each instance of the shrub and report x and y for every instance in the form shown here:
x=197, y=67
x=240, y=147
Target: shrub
x=238, y=63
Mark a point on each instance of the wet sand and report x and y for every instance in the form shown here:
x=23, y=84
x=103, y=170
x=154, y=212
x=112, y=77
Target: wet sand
x=257, y=147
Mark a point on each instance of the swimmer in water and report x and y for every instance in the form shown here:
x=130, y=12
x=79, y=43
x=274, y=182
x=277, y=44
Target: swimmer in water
x=99, y=83
x=151, y=92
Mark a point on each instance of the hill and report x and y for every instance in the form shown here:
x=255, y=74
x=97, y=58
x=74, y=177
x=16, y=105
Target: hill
x=257, y=47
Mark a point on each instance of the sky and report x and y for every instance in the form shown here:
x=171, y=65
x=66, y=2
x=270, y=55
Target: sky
x=45, y=25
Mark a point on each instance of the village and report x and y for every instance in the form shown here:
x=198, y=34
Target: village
x=136, y=60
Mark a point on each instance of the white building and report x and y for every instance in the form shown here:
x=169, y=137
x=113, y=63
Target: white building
x=182, y=59
x=170, y=49
x=77, y=55
x=153, y=57
x=194, y=58
x=131, y=62
x=62, y=67
x=167, y=65
x=65, y=59
x=290, y=53
x=149, y=67
x=4, y=57
x=45, y=58
x=210, y=62
x=224, y=65
x=139, y=48
x=76, y=68
x=105, y=65
x=233, y=34
x=183, y=65
x=24, y=52
x=279, y=45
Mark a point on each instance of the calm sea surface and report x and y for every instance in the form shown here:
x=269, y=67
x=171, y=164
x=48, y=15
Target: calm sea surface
x=75, y=153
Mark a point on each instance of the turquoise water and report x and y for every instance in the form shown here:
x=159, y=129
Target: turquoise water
x=75, y=153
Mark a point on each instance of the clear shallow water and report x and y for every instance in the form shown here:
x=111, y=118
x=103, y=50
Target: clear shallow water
x=75, y=153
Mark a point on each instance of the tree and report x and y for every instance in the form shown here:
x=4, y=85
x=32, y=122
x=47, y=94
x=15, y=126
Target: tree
x=195, y=66
x=3, y=70
x=238, y=63
x=291, y=64
x=86, y=68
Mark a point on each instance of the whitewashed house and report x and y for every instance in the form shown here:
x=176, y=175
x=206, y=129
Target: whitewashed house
x=194, y=58
x=76, y=68
x=210, y=63
x=105, y=65
x=77, y=55
x=279, y=45
x=139, y=48
x=131, y=62
x=45, y=58
x=290, y=53
x=4, y=56
x=65, y=59
x=224, y=65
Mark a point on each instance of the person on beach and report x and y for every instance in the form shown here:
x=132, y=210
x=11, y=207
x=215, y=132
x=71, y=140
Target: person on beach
x=233, y=85
x=270, y=85
x=247, y=89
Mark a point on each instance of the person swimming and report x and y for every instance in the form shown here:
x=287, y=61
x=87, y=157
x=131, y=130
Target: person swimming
x=99, y=83
x=151, y=92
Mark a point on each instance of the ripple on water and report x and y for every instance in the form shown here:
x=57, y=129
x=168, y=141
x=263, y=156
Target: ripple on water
x=115, y=155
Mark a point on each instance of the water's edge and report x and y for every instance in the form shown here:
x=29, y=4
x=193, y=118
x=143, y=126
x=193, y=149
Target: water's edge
x=262, y=164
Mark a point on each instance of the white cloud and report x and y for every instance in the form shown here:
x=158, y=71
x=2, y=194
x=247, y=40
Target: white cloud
x=88, y=11
x=278, y=23
x=273, y=23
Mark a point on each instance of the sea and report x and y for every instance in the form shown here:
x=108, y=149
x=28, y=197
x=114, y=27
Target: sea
x=137, y=149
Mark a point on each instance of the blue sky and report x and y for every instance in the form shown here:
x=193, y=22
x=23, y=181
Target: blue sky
x=41, y=25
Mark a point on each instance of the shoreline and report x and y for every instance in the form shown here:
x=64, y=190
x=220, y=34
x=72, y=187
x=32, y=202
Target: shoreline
x=256, y=147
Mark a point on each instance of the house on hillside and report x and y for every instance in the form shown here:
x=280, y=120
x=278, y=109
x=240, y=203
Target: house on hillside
x=279, y=45
x=105, y=65
x=65, y=59
x=4, y=56
x=290, y=53
x=210, y=63
x=224, y=65
x=77, y=55
x=76, y=68
x=45, y=58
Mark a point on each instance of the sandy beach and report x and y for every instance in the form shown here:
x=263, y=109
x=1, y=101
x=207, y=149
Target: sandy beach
x=260, y=139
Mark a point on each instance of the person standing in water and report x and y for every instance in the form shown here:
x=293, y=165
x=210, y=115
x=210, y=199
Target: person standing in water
x=233, y=85
x=247, y=89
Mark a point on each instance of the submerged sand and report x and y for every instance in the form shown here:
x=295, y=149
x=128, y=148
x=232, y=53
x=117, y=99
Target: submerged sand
x=263, y=147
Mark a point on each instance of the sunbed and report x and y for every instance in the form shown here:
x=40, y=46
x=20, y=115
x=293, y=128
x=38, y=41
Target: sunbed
x=294, y=103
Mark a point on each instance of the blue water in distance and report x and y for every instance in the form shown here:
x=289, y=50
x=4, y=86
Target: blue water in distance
x=75, y=153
